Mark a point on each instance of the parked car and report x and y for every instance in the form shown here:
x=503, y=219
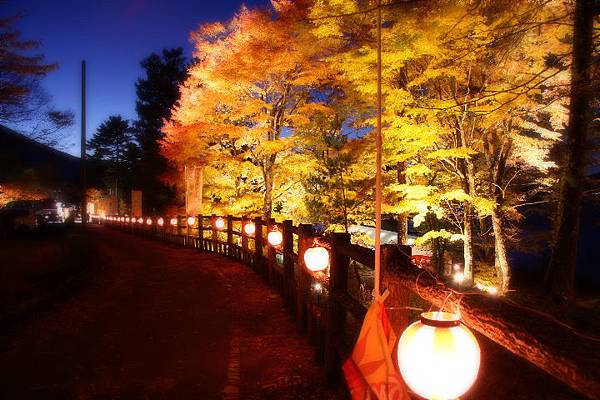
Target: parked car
x=19, y=216
x=27, y=215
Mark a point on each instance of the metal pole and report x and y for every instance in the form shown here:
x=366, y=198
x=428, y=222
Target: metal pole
x=83, y=145
x=378, y=140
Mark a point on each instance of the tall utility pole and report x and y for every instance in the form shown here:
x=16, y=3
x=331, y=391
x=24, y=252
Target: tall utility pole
x=83, y=156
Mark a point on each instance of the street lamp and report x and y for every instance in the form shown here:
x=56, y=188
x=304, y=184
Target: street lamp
x=275, y=237
x=438, y=356
x=316, y=258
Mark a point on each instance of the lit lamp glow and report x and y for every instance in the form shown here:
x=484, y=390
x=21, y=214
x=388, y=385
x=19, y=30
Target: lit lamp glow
x=191, y=221
x=459, y=277
x=275, y=237
x=219, y=223
x=140, y=220
x=438, y=356
x=316, y=258
x=174, y=221
x=160, y=221
x=250, y=228
x=149, y=221
x=127, y=219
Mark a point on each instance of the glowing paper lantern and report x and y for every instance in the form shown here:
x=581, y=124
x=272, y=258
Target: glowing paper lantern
x=275, y=237
x=459, y=277
x=249, y=228
x=438, y=356
x=140, y=220
x=127, y=219
x=160, y=221
x=219, y=223
x=316, y=258
x=174, y=221
x=191, y=221
x=149, y=221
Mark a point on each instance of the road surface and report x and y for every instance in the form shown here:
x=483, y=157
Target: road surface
x=153, y=321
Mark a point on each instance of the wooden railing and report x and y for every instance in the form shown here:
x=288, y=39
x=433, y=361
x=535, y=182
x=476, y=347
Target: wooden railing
x=327, y=312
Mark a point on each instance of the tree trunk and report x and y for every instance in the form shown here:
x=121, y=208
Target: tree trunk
x=468, y=243
x=500, y=259
x=268, y=177
x=402, y=218
x=560, y=275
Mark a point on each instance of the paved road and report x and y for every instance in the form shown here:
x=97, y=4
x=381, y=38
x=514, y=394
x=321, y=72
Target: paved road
x=158, y=322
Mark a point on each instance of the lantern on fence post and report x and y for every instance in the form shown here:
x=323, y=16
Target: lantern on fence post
x=316, y=258
x=149, y=221
x=160, y=221
x=249, y=228
x=173, y=221
x=275, y=237
x=219, y=223
x=140, y=220
x=438, y=356
x=191, y=221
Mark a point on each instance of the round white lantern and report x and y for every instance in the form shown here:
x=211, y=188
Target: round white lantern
x=191, y=221
x=140, y=220
x=275, y=237
x=250, y=228
x=160, y=221
x=219, y=223
x=149, y=221
x=438, y=356
x=316, y=258
x=174, y=221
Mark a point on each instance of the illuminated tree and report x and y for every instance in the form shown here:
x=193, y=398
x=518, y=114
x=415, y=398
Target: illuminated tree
x=256, y=78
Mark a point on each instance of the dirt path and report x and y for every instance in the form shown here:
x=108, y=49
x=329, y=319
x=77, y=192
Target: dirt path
x=159, y=322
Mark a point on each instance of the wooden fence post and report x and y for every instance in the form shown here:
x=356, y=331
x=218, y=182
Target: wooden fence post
x=288, y=262
x=305, y=240
x=215, y=234
x=258, y=246
x=244, y=242
x=398, y=300
x=271, y=254
x=230, y=251
x=336, y=315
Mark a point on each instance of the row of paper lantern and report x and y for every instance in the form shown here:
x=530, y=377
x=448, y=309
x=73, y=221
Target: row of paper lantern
x=316, y=258
x=438, y=356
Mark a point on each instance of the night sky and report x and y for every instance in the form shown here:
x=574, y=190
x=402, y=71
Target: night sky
x=113, y=37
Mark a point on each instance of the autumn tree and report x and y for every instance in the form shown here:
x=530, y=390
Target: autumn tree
x=256, y=78
x=23, y=102
x=463, y=86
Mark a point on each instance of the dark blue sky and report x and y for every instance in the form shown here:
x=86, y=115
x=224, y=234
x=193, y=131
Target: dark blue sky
x=113, y=37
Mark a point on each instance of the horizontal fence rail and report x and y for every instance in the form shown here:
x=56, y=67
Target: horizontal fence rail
x=330, y=312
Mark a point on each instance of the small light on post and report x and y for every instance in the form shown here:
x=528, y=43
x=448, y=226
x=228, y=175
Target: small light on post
x=191, y=221
x=160, y=221
x=275, y=237
x=459, y=277
x=438, y=356
x=316, y=258
x=219, y=223
x=173, y=221
x=249, y=228
x=149, y=221
x=127, y=219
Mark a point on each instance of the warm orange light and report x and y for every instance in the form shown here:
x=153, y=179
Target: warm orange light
x=191, y=221
x=219, y=223
x=127, y=219
x=149, y=221
x=316, y=258
x=160, y=221
x=140, y=220
x=249, y=228
x=174, y=221
x=275, y=237
x=438, y=356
